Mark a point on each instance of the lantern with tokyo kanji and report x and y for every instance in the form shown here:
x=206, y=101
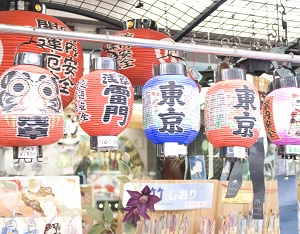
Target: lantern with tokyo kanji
x=281, y=114
x=65, y=57
x=171, y=109
x=31, y=113
x=231, y=112
x=103, y=103
x=135, y=62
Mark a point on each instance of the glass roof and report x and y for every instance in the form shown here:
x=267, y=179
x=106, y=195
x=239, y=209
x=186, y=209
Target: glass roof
x=223, y=22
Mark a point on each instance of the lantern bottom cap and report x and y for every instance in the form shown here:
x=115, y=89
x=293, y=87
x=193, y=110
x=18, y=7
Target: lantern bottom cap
x=28, y=153
x=173, y=150
x=288, y=150
x=104, y=143
x=230, y=152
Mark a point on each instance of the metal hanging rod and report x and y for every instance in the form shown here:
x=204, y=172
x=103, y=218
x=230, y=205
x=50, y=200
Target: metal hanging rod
x=204, y=49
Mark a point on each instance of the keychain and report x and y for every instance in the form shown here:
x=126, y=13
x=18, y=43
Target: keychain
x=31, y=227
x=10, y=227
x=71, y=229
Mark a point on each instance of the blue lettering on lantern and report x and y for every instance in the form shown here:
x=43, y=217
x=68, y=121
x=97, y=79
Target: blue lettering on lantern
x=172, y=119
x=33, y=127
x=245, y=123
x=170, y=93
x=118, y=93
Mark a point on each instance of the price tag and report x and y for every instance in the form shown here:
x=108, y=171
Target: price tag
x=242, y=197
x=239, y=152
x=25, y=152
x=171, y=149
x=107, y=142
x=293, y=149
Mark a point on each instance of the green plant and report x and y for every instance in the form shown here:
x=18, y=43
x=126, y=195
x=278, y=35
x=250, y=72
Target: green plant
x=136, y=207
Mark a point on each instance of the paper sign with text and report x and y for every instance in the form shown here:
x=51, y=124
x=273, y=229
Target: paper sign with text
x=183, y=196
x=242, y=197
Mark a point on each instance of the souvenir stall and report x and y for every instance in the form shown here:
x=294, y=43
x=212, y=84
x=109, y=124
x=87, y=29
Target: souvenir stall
x=199, y=161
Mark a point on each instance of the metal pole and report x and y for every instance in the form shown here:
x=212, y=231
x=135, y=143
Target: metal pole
x=175, y=46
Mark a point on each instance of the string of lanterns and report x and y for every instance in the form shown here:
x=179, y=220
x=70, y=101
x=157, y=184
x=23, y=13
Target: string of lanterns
x=135, y=63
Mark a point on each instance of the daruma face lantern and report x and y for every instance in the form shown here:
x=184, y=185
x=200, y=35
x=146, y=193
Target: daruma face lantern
x=135, y=62
x=171, y=109
x=281, y=115
x=103, y=103
x=231, y=110
x=30, y=107
x=64, y=57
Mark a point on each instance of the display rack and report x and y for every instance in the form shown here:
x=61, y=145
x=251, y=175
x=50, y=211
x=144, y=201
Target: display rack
x=192, y=214
x=175, y=46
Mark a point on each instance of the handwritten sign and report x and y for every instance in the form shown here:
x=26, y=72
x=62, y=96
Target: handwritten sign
x=293, y=149
x=183, y=196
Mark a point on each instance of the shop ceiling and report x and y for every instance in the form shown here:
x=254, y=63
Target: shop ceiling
x=266, y=23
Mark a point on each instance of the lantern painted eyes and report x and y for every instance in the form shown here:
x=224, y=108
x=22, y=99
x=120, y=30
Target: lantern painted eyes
x=47, y=91
x=18, y=87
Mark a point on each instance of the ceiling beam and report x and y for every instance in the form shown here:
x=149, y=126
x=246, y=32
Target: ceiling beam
x=93, y=15
x=197, y=20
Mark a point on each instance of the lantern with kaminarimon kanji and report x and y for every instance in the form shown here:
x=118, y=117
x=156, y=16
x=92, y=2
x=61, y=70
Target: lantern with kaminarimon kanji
x=103, y=103
x=135, y=62
x=281, y=114
x=65, y=57
x=232, y=109
x=171, y=109
x=31, y=113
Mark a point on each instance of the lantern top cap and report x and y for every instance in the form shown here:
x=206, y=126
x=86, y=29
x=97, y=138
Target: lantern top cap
x=30, y=58
x=225, y=72
x=104, y=63
x=139, y=23
x=287, y=78
x=170, y=69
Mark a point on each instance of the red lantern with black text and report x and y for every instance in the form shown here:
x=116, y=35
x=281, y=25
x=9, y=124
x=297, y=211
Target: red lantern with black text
x=232, y=108
x=65, y=57
x=31, y=112
x=136, y=62
x=103, y=103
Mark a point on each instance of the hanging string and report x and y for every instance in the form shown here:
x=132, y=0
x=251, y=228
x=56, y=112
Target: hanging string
x=254, y=44
x=167, y=30
x=208, y=38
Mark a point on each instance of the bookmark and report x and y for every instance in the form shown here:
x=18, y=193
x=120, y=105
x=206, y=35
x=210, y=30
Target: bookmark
x=287, y=195
x=235, y=179
x=256, y=167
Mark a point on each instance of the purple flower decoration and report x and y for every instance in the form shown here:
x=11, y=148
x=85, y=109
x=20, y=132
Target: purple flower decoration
x=131, y=214
x=143, y=201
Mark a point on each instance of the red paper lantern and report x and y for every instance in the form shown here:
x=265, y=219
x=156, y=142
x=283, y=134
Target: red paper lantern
x=231, y=110
x=30, y=106
x=65, y=57
x=103, y=103
x=136, y=62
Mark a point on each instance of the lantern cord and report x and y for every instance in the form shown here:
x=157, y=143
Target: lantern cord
x=148, y=43
x=186, y=161
x=170, y=55
x=110, y=51
x=28, y=43
x=167, y=31
x=32, y=41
